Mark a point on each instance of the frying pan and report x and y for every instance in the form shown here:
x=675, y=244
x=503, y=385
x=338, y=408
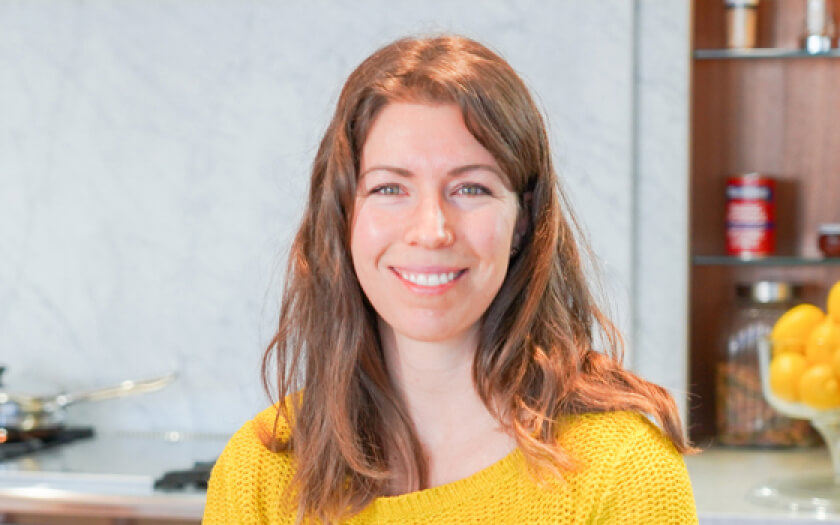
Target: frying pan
x=28, y=413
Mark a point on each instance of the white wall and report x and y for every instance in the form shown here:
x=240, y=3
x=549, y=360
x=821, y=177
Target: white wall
x=154, y=158
x=660, y=204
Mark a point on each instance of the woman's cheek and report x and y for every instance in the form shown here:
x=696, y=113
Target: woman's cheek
x=493, y=233
x=373, y=230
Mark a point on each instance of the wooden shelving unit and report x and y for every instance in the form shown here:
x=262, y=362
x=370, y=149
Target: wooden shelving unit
x=775, y=110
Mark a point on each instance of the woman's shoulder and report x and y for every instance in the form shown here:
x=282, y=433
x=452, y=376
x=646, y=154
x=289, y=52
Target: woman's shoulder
x=606, y=434
x=616, y=425
x=641, y=474
x=249, y=475
x=255, y=439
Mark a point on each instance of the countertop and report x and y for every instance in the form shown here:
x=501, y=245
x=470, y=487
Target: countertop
x=723, y=477
x=113, y=474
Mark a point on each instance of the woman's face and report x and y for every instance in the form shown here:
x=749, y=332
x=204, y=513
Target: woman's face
x=432, y=224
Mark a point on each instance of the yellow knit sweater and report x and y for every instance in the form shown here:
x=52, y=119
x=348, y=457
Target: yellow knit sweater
x=631, y=474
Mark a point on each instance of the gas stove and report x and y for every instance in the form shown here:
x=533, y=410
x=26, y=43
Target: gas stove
x=14, y=444
x=132, y=474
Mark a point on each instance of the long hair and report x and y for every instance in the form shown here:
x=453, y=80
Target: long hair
x=537, y=358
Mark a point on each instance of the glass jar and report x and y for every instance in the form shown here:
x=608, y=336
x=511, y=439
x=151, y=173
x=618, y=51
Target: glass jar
x=741, y=23
x=743, y=416
x=819, y=27
x=829, y=239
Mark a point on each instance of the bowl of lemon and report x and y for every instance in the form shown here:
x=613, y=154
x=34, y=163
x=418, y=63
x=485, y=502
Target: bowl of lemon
x=800, y=378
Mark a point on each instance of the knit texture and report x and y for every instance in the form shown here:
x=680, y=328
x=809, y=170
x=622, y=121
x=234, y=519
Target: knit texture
x=630, y=473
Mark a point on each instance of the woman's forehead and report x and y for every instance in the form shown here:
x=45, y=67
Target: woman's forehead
x=423, y=132
x=417, y=132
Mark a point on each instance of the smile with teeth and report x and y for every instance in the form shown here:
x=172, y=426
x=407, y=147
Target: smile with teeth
x=429, y=279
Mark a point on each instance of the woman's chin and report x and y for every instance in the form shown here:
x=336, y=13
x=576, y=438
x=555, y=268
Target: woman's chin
x=431, y=329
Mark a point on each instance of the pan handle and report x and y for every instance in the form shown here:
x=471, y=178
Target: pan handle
x=125, y=388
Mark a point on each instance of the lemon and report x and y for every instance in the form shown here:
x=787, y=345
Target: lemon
x=791, y=331
x=819, y=388
x=785, y=371
x=823, y=342
x=833, y=303
x=835, y=363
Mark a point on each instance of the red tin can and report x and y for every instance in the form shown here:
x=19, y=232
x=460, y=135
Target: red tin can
x=750, y=215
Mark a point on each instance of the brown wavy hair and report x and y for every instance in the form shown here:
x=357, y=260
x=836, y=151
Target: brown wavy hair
x=537, y=358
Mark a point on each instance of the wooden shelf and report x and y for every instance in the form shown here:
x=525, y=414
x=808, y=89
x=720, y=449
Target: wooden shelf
x=776, y=260
x=764, y=52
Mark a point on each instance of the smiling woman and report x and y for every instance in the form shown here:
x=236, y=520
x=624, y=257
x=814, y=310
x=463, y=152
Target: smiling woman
x=436, y=356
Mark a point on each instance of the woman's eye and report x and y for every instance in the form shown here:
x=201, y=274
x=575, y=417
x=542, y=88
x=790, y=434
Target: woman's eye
x=386, y=189
x=472, y=190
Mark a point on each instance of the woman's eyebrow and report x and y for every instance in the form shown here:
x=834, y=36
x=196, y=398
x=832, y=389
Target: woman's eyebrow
x=454, y=172
x=473, y=167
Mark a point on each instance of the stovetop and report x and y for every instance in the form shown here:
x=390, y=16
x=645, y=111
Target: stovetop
x=174, y=460
x=114, y=473
x=22, y=444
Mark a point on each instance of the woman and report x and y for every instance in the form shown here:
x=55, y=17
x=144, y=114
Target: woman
x=436, y=350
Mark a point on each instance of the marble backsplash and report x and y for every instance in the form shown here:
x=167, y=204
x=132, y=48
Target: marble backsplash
x=154, y=159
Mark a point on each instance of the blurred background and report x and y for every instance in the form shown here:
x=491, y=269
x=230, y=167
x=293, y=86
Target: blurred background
x=154, y=158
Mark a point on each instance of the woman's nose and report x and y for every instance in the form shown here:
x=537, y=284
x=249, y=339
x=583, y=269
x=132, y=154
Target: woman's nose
x=429, y=226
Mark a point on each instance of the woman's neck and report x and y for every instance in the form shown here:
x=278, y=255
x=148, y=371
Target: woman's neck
x=458, y=433
x=433, y=378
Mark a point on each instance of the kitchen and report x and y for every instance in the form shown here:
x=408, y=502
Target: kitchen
x=153, y=166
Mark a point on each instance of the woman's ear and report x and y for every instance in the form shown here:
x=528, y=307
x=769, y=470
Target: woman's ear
x=523, y=221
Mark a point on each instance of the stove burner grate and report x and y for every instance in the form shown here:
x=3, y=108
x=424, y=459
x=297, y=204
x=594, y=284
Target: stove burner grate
x=27, y=443
x=196, y=477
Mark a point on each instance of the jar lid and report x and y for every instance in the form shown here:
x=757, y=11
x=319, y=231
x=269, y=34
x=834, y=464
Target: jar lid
x=768, y=291
x=829, y=228
x=750, y=178
x=741, y=3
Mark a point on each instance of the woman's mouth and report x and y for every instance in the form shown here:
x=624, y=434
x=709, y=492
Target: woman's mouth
x=429, y=280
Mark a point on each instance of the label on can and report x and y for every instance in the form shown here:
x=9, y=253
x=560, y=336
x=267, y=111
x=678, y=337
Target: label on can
x=750, y=215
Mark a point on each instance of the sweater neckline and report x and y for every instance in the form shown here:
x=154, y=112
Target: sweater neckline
x=496, y=474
